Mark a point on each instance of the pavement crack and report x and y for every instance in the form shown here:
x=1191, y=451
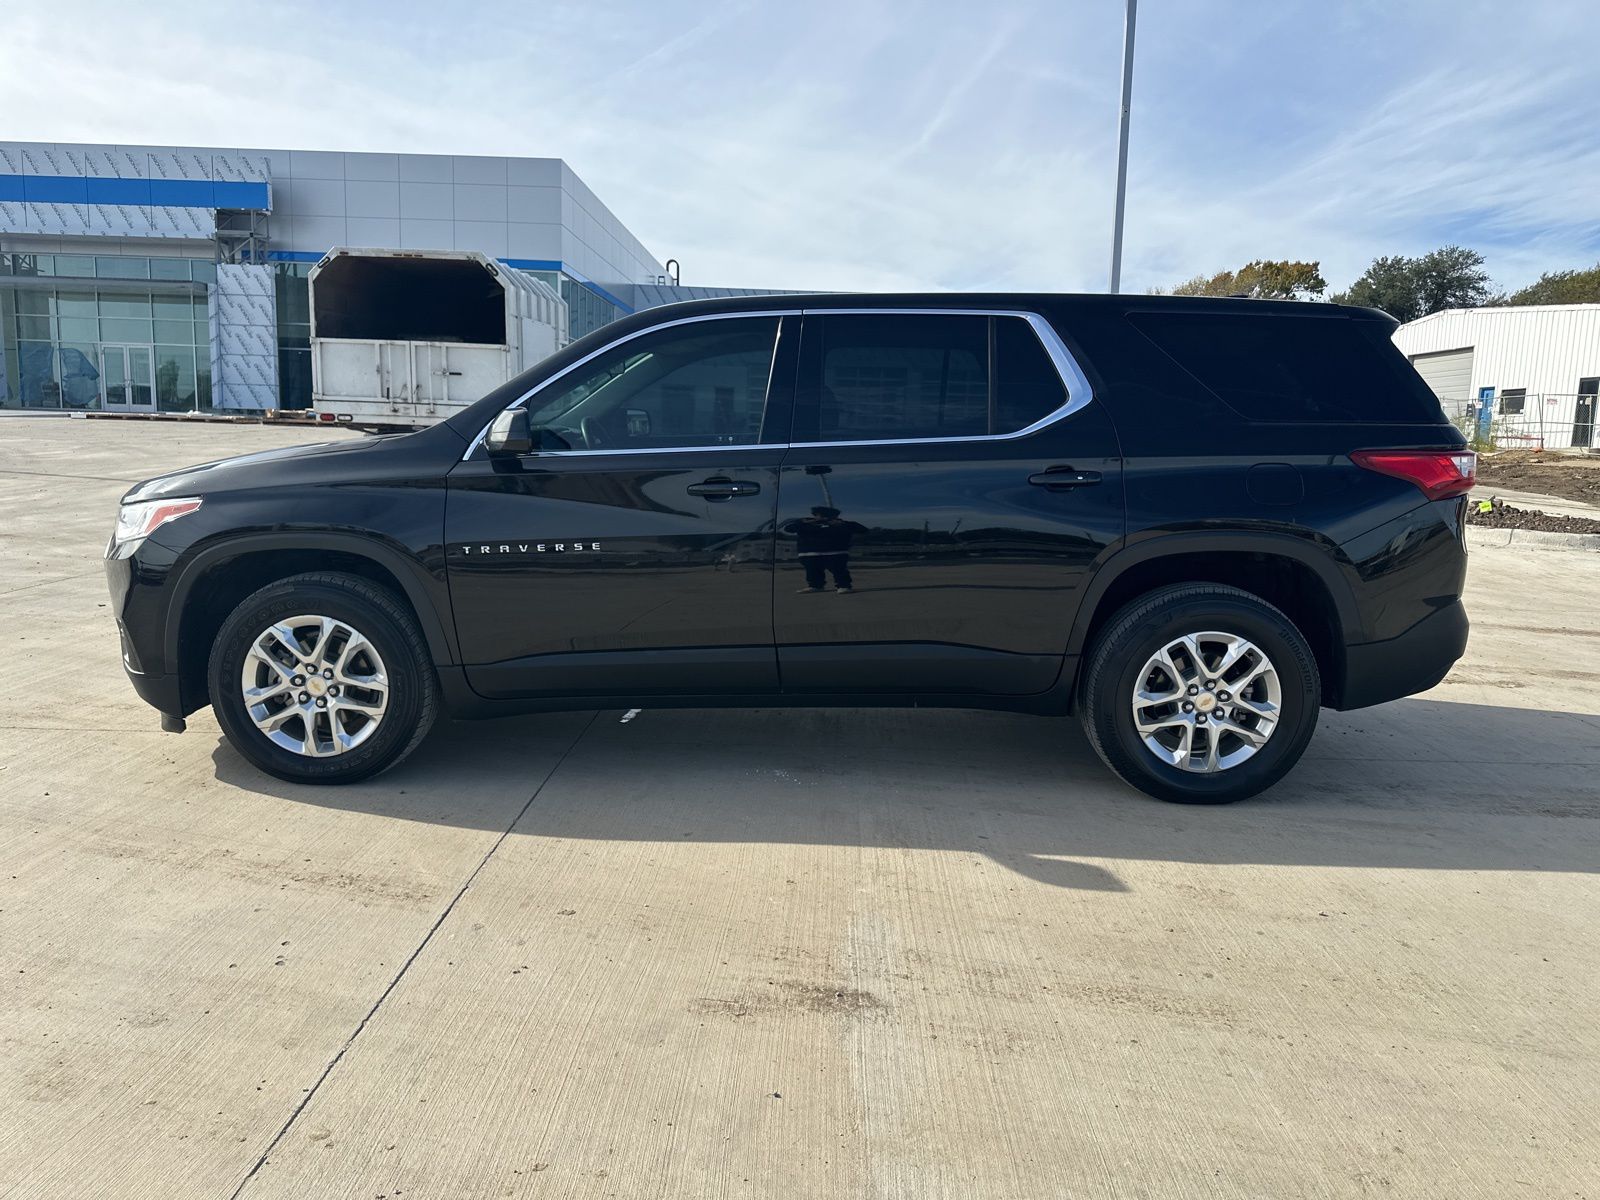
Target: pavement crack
x=411, y=958
x=47, y=582
x=67, y=475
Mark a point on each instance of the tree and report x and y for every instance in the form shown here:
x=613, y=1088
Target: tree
x=1408, y=288
x=1561, y=287
x=1261, y=280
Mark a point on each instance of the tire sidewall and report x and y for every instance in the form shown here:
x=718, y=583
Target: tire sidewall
x=1277, y=638
x=294, y=599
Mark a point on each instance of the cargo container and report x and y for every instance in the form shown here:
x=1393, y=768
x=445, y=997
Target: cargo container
x=403, y=338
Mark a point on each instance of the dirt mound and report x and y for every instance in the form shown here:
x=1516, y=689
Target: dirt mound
x=1504, y=516
x=1570, y=476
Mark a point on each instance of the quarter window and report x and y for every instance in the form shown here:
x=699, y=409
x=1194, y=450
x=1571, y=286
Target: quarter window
x=700, y=384
x=1027, y=386
x=1314, y=369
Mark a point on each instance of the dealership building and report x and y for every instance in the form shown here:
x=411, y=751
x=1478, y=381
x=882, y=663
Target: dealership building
x=174, y=279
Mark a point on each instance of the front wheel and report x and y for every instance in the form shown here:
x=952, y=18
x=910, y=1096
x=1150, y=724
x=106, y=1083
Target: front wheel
x=322, y=679
x=1200, y=694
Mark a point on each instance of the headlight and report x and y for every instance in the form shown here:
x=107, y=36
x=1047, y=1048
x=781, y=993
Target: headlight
x=135, y=522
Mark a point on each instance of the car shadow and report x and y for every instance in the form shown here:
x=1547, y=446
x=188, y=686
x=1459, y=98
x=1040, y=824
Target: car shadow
x=1417, y=784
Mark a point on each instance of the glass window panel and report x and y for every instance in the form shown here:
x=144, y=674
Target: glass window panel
x=202, y=271
x=696, y=385
x=33, y=302
x=33, y=264
x=202, y=389
x=119, y=267
x=172, y=308
x=79, y=374
x=1027, y=385
x=169, y=268
x=76, y=304
x=294, y=377
x=903, y=377
x=79, y=329
x=124, y=330
x=114, y=305
x=201, y=308
x=174, y=332
x=38, y=381
x=175, y=378
x=35, y=327
x=294, y=295
x=1311, y=369
x=75, y=264
x=202, y=333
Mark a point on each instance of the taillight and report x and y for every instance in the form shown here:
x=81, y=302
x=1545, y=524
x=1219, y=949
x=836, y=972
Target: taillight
x=1437, y=473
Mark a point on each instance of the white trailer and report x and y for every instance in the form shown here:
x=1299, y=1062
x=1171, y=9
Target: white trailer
x=404, y=338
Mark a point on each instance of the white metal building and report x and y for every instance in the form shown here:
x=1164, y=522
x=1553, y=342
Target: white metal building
x=1531, y=373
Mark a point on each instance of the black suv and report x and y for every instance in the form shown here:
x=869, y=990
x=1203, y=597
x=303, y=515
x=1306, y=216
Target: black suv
x=1190, y=522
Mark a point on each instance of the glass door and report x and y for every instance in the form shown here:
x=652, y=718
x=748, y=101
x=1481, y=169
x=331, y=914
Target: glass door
x=127, y=378
x=1583, y=417
x=142, y=378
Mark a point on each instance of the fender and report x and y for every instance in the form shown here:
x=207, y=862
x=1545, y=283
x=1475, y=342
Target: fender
x=1320, y=555
x=410, y=573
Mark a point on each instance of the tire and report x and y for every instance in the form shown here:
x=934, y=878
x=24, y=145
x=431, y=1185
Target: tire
x=386, y=704
x=1155, y=623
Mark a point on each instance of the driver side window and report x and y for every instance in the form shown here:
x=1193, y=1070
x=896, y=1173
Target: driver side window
x=700, y=384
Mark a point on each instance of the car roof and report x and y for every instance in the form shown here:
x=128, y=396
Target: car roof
x=1032, y=301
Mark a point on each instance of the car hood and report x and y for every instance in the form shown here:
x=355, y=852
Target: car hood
x=316, y=463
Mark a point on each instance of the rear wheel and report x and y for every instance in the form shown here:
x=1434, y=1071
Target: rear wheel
x=322, y=679
x=1200, y=694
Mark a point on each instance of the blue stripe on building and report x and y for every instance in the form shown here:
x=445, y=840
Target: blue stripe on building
x=167, y=193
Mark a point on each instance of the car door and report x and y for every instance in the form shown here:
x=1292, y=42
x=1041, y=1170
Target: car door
x=942, y=506
x=631, y=551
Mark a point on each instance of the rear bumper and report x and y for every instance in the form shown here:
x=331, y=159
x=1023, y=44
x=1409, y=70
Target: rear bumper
x=1402, y=666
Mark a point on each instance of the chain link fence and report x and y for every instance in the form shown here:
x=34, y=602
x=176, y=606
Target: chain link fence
x=1517, y=420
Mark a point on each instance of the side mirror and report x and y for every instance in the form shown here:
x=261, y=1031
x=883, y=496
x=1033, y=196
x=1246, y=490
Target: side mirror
x=510, y=433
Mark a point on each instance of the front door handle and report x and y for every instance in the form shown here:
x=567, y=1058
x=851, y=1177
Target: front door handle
x=719, y=488
x=1060, y=479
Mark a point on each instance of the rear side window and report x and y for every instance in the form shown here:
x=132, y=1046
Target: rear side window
x=1269, y=367
x=903, y=377
x=921, y=376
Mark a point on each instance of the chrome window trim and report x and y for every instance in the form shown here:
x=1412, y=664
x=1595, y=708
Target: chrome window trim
x=1079, y=393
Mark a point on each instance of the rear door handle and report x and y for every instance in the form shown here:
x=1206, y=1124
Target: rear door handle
x=1060, y=479
x=724, y=489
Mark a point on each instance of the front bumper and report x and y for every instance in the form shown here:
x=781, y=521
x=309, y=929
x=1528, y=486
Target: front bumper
x=1403, y=666
x=137, y=599
x=159, y=691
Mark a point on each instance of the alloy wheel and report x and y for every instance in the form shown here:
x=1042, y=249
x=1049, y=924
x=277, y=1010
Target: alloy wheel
x=1206, y=702
x=314, y=685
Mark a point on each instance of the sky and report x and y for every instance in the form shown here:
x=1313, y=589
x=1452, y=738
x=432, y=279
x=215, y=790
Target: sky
x=865, y=145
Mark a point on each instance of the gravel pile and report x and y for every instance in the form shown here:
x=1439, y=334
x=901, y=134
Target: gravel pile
x=1504, y=516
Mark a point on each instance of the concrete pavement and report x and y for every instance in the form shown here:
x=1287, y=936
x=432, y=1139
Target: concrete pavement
x=756, y=953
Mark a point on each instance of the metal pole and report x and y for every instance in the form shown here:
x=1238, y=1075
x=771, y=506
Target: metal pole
x=1122, y=145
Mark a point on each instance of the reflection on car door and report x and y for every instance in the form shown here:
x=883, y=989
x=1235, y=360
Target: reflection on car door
x=635, y=557
x=917, y=550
